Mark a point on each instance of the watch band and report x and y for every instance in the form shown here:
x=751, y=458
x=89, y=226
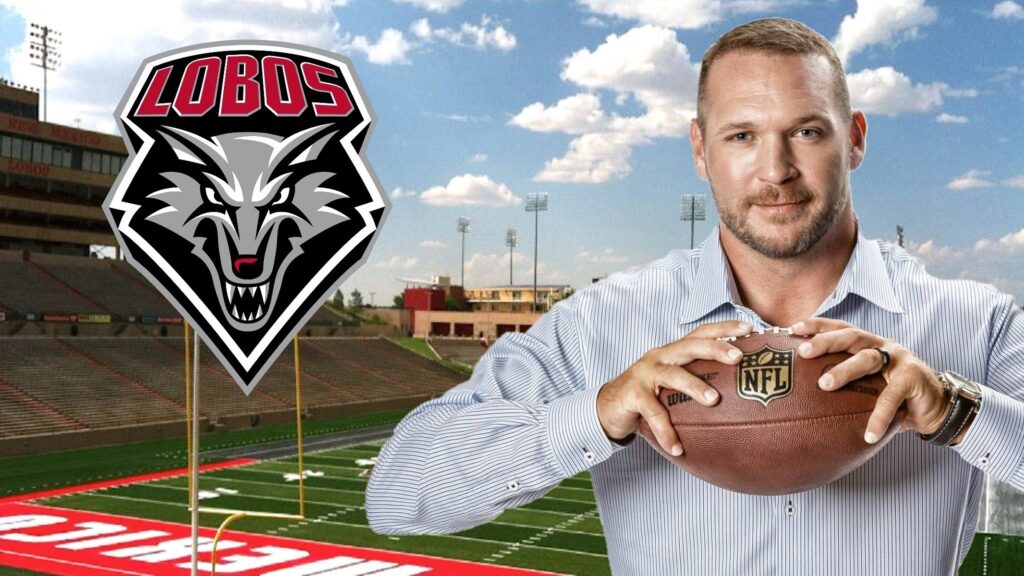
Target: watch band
x=959, y=414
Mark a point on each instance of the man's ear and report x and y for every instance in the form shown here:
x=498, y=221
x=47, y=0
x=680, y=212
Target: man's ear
x=697, y=148
x=858, y=138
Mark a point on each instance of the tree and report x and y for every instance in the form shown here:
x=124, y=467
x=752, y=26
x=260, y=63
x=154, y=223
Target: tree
x=339, y=299
x=355, y=299
x=400, y=301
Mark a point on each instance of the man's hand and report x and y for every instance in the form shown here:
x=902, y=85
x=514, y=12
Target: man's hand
x=622, y=402
x=910, y=380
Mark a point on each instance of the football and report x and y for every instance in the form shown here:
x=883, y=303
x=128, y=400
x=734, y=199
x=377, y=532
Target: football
x=774, y=431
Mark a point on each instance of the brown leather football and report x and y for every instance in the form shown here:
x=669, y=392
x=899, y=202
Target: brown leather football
x=774, y=431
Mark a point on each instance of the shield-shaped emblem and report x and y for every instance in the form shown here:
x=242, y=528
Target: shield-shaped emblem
x=246, y=198
x=765, y=375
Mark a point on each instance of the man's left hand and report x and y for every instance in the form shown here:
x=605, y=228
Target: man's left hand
x=910, y=380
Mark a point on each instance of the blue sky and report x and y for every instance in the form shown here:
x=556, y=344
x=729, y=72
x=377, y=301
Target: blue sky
x=481, y=102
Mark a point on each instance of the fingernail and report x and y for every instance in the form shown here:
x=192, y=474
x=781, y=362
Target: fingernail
x=870, y=437
x=825, y=382
x=805, y=348
x=798, y=327
x=710, y=395
x=734, y=353
x=677, y=450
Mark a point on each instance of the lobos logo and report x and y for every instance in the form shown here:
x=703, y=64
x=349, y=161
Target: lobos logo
x=765, y=375
x=246, y=199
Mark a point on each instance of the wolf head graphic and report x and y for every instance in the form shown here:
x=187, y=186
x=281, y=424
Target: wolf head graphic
x=245, y=199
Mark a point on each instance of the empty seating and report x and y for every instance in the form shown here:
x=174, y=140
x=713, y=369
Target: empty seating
x=50, y=384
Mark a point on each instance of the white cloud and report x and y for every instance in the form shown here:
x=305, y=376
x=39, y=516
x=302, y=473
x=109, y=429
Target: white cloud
x=881, y=22
x=480, y=37
x=890, y=92
x=102, y=53
x=595, y=22
x=491, y=269
x=950, y=119
x=400, y=192
x=398, y=263
x=686, y=14
x=478, y=158
x=670, y=14
x=573, y=115
x=433, y=245
x=440, y=6
x=961, y=93
x=1008, y=10
x=647, y=64
x=471, y=190
x=992, y=261
x=390, y=48
x=607, y=256
x=591, y=159
x=466, y=118
x=973, y=178
x=1014, y=182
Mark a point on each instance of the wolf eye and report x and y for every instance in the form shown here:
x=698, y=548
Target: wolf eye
x=282, y=197
x=212, y=197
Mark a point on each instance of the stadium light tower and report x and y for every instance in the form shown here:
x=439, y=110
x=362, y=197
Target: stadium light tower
x=693, y=209
x=536, y=203
x=510, y=241
x=44, y=52
x=463, y=227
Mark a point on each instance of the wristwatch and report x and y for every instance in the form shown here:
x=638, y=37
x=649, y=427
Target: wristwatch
x=965, y=397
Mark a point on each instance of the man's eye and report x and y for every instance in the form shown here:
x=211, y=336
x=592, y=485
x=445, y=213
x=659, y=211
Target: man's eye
x=807, y=132
x=741, y=137
x=212, y=196
x=282, y=197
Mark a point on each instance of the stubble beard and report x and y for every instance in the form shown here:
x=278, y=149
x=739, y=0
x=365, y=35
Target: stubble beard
x=821, y=223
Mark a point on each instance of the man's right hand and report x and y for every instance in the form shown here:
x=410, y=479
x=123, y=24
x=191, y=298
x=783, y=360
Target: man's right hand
x=634, y=394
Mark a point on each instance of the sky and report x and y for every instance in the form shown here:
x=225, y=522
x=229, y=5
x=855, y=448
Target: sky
x=480, y=103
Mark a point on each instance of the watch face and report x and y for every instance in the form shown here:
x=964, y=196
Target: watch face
x=963, y=386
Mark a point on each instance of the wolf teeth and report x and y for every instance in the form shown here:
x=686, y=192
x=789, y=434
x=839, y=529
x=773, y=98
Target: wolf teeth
x=263, y=293
x=229, y=290
x=259, y=312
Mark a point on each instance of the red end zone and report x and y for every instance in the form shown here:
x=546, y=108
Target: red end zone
x=76, y=543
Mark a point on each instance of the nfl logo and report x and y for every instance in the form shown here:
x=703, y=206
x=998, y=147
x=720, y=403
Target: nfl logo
x=765, y=375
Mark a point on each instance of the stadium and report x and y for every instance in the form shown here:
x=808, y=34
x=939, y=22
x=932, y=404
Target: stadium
x=93, y=412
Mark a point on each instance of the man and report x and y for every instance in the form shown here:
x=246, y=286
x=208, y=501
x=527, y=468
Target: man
x=776, y=140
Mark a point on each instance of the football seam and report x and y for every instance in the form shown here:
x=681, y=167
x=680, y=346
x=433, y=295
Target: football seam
x=769, y=422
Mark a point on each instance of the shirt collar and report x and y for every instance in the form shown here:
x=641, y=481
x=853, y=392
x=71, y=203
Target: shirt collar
x=712, y=283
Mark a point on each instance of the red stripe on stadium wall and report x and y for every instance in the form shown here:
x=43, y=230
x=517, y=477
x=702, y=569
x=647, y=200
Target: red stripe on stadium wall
x=124, y=481
x=78, y=543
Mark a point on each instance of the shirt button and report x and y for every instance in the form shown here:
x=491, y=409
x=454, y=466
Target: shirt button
x=512, y=486
x=588, y=456
x=790, y=509
x=983, y=461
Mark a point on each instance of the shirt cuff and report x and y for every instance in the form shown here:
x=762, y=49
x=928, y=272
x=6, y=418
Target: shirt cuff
x=575, y=434
x=995, y=443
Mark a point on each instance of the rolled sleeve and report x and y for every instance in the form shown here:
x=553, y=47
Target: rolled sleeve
x=577, y=439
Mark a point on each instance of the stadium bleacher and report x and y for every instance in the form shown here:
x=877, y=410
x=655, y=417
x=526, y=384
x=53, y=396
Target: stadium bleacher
x=25, y=289
x=466, y=351
x=52, y=384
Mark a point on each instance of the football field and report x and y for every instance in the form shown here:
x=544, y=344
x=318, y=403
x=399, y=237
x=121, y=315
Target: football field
x=560, y=532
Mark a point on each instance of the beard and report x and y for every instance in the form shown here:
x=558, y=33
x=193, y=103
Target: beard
x=822, y=220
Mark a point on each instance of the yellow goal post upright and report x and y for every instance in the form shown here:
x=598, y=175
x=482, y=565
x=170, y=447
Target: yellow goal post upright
x=192, y=442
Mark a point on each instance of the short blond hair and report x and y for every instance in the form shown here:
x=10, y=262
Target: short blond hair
x=779, y=36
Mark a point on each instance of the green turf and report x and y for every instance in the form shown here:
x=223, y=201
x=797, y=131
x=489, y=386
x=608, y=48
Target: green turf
x=560, y=532
x=55, y=470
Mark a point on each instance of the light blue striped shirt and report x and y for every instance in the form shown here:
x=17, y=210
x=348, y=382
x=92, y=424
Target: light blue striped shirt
x=527, y=419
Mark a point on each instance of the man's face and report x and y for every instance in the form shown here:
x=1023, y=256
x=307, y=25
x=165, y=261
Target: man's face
x=776, y=149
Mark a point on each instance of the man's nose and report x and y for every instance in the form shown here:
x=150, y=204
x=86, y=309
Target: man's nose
x=775, y=162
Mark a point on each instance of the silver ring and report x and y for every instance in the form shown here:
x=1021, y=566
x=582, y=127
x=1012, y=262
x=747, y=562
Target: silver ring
x=886, y=359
